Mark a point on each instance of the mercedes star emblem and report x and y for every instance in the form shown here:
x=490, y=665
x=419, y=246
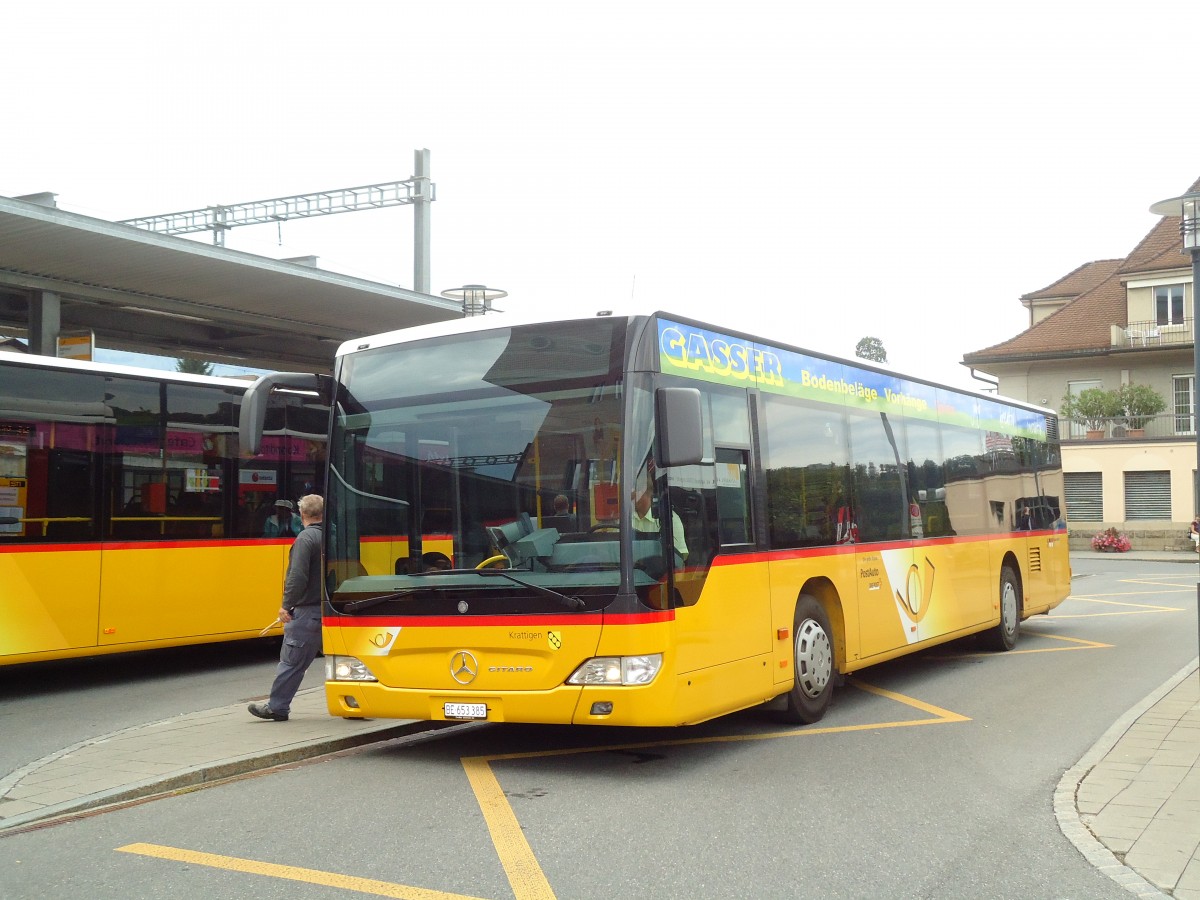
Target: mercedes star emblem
x=463, y=667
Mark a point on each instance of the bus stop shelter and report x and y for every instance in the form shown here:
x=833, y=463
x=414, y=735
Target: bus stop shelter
x=63, y=274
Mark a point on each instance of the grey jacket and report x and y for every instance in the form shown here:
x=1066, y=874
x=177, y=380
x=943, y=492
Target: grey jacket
x=302, y=585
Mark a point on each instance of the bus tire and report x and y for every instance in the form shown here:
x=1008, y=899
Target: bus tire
x=812, y=663
x=1004, y=636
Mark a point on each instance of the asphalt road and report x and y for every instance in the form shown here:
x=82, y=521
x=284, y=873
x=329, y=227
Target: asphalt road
x=931, y=777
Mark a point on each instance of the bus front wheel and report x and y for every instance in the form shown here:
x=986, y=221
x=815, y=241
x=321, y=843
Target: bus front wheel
x=812, y=659
x=1004, y=635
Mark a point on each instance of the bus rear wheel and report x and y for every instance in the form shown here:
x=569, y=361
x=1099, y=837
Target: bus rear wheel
x=812, y=663
x=1004, y=636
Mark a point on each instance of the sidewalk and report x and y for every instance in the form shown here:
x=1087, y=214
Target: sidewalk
x=1131, y=805
x=1175, y=556
x=179, y=753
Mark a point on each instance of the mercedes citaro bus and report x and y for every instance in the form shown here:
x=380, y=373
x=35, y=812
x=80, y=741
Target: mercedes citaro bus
x=648, y=520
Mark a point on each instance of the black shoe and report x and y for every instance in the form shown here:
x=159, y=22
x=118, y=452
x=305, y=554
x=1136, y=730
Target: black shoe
x=265, y=712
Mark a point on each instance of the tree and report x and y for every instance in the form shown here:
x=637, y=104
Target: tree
x=871, y=348
x=193, y=366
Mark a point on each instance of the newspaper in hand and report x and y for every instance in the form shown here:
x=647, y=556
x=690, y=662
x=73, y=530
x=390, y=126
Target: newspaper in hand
x=269, y=627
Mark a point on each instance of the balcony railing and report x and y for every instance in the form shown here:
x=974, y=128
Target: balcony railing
x=1165, y=426
x=1152, y=334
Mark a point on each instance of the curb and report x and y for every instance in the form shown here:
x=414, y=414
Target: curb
x=190, y=777
x=1067, y=813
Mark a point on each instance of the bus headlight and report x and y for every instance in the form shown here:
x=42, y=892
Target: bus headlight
x=618, y=670
x=346, y=668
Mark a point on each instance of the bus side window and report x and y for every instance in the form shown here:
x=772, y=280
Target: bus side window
x=733, y=498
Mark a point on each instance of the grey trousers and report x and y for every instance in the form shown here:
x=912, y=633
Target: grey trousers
x=301, y=644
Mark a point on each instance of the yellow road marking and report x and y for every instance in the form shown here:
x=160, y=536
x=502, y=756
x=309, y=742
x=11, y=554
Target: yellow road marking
x=943, y=715
x=1083, y=644
x=525, y=876
x=1085, y=598
x=292, y=873
x=1132, y=610
x=1163, y=584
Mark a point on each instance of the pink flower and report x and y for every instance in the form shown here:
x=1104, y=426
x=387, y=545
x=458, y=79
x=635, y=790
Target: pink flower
x=1111, y=541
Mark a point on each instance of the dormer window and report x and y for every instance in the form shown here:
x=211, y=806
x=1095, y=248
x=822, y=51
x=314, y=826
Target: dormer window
x=1168, y=304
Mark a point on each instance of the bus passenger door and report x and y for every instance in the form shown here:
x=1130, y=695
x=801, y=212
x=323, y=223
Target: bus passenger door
x=725, y=617
x=889, y=596
x=880, y=522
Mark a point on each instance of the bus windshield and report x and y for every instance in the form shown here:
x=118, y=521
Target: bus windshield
x=479, y=472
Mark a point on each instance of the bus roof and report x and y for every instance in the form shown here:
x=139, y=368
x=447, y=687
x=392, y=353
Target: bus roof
x=35, y=361
x=485, y=323
x=472, y=324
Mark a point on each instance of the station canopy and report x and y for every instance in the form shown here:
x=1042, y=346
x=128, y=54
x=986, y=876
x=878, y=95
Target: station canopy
x=149, y=293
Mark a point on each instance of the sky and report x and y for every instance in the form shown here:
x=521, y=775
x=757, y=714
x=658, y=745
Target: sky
x=812, y=172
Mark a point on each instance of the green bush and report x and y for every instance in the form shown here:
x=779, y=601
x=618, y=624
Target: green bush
x=1092, y=408
x=1139, y=402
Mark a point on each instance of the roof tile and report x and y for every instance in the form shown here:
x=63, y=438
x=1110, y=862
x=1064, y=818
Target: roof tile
x=1100, y=301
x=1077, y=282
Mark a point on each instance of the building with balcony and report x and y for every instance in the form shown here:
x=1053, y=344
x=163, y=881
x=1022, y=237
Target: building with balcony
x=1106, y=324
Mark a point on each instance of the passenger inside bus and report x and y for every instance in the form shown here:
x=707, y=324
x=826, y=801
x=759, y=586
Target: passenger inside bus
x=433, y=561
x=1025, y=519
x=563, y=519
x=283, y=522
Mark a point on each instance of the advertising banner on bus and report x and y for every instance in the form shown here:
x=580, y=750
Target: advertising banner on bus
x=697, y=352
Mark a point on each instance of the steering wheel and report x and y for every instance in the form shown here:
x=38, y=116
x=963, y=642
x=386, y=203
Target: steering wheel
x=491, y=562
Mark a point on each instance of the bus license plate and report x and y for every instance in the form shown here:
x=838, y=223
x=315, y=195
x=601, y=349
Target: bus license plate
x=465, y=710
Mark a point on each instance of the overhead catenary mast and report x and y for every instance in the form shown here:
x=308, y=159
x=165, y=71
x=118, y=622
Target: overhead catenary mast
x=417, y=192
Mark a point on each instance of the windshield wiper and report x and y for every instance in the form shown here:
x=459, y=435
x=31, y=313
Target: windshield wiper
x=568, y=602
x=369, y=602
x=358, y=605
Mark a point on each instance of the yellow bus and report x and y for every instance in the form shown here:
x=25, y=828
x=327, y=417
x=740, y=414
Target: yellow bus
x=129, y=519
x=654, y=521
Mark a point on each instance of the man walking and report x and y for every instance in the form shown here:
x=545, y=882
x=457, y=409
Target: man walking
x=300, y=613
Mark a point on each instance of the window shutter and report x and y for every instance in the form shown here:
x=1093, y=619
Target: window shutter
x=1148, y=495
x=1085, y=497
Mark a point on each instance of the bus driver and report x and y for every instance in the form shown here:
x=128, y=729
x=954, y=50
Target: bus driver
x=645, y=521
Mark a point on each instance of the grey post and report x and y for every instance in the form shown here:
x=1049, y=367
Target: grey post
x=1194, y=224
x=1187, y=208
x=422, y=196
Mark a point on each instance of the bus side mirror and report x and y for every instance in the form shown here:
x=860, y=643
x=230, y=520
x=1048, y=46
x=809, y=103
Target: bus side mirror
x=677, y=418
x=253, y=413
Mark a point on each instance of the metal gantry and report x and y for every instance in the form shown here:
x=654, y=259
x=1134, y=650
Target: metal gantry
x=417, y=191
x=220, y=219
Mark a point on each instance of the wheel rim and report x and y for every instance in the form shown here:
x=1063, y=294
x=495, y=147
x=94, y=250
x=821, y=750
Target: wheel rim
x=1008, y=607
x=814, y=658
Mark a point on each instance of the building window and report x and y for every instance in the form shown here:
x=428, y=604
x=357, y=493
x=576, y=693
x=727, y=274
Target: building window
x=1168, y=304
x=1148, y=495
x=1183, y=385
x=1085, y=497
